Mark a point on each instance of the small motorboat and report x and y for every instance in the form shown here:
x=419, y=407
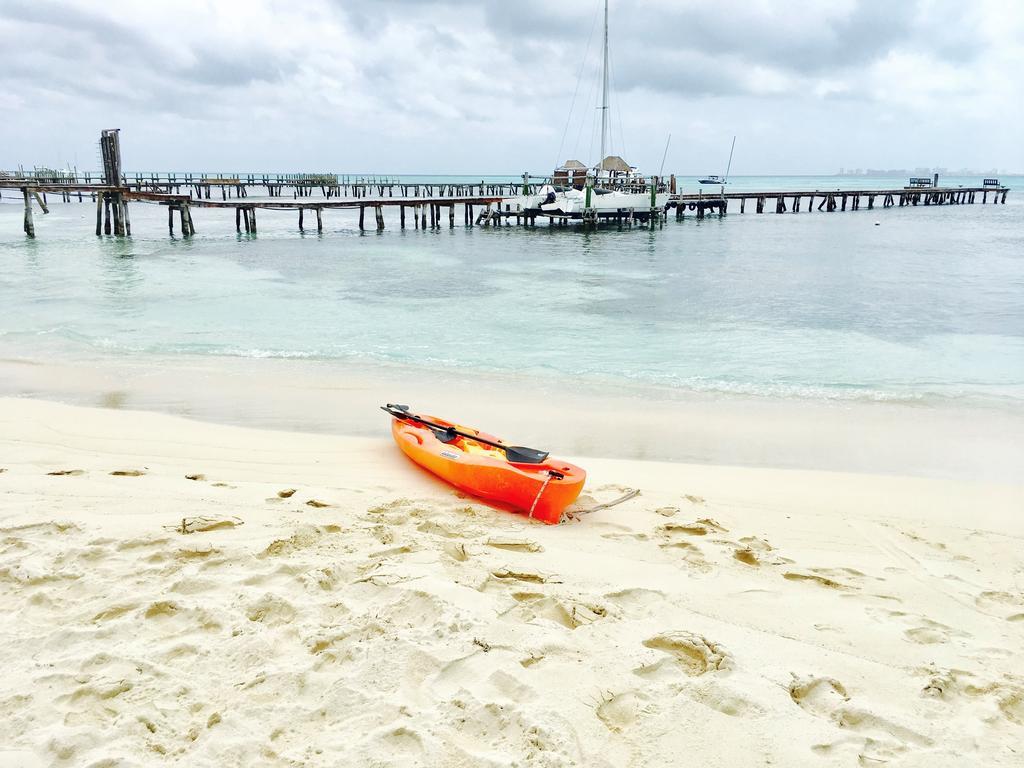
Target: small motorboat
x=516, y=478
x=723, y=180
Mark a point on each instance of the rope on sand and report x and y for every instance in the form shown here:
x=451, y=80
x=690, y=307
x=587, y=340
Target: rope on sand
x=576, y=513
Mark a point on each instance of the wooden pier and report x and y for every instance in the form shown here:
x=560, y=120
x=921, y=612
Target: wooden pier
x=429, y=204
x=210, y=186
x=792, y=201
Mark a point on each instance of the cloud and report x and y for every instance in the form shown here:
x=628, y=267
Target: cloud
x=480, y=85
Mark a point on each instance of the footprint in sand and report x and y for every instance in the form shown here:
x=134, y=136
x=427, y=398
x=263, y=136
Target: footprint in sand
x=514, y=545
x=746, y=556
x=197, y=476
x=1004, y=605
x=304, y=537
x=571, y=614
x=952, y=684
x=827, y=698
x=636, y=601
x=930, y=633
x=818, y=695
x=66, y=473
x=456, y=550
x=287, y=493
x=271, y=611
x=128, y=472
x=202, y=524
x=815, y=578
x=317, y=504
x=504, y=574
x=619, y=711
x=920, y=629
x=701, y=527
x=695, y=654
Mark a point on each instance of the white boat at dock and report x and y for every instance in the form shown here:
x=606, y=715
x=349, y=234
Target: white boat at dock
x=610, y=188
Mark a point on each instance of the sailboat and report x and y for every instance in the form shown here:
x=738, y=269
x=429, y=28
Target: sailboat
x=712, y=179
x=578, y=189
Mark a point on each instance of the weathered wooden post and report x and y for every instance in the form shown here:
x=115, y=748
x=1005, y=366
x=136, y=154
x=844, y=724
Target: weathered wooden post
x=99, y=214
x=362, y=212
x=319, y=219
x=401, y=216
x=116, y=205
x=379, y=212
x=238, y=219
x=300, y=218
x=451, y=215
x=30, y=227
x=170, y=220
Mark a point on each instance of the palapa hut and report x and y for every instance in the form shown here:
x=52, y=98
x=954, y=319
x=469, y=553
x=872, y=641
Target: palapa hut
x=572, y=173
x=614, y=169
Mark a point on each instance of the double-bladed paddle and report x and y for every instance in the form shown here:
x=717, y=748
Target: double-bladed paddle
x=516, y=454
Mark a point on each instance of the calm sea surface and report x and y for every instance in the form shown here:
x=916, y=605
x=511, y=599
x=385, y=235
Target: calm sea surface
x=927, y=305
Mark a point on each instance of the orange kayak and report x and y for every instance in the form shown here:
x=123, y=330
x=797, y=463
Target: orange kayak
x=541, y=490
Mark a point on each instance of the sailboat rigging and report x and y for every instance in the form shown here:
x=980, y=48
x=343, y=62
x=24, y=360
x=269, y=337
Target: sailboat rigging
x=610, y=184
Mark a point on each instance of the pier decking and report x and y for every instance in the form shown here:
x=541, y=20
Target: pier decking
x=484, y=203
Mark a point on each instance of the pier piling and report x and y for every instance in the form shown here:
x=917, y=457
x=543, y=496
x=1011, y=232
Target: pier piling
x=30, y=227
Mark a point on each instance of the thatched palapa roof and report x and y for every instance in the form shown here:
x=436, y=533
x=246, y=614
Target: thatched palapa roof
x=573, y=165
x=615, y=163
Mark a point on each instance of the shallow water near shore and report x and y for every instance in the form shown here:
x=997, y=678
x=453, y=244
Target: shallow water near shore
x=927, y=306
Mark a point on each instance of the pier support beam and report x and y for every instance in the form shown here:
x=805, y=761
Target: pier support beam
x=319, y=220
x=379, y=211
x=30, y=227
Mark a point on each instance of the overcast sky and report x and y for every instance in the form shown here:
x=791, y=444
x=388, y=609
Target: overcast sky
x=474, y=86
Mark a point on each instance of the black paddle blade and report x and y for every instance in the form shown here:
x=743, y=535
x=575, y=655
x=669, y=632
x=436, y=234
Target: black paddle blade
x=517, y=454
x=445, y=435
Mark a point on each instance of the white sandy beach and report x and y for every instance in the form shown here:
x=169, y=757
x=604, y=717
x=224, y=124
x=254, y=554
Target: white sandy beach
x=724, y=617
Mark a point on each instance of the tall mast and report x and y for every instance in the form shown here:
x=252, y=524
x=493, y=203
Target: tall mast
x=604, y=93
x=729, y=166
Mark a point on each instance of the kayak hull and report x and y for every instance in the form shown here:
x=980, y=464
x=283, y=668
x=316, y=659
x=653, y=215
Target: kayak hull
x=484, y=472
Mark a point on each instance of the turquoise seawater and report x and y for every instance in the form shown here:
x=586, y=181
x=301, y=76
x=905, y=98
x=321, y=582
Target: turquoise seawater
x=928, y=304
